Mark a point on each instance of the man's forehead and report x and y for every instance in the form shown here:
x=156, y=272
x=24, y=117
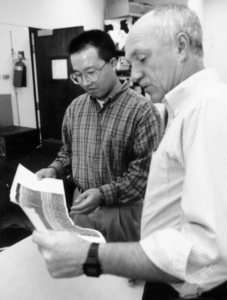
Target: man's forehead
x=85, y=59
x=133, y=46
x=137, y=42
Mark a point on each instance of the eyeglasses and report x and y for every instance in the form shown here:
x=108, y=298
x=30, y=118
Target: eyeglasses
x=91, y=76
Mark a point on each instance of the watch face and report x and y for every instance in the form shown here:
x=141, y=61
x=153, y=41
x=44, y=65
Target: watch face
x=93, y=270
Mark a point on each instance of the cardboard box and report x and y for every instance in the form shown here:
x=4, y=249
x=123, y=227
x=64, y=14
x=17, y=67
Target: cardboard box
x=124, y=8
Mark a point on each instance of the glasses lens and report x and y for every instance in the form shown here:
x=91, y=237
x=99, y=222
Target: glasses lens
x=91, y=76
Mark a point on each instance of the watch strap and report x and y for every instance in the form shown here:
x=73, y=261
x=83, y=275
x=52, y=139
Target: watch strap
x=92, y=266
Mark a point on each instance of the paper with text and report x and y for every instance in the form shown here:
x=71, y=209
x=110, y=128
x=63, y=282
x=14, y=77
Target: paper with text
x=45, y=205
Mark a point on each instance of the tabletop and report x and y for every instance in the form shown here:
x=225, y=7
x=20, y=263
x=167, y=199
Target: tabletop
x=23, y=275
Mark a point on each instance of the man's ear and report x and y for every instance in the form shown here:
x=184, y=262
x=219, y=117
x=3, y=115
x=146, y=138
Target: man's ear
x=183, y=45
x=113, y=63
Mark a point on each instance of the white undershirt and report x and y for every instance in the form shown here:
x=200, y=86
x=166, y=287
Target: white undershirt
x=101, y=102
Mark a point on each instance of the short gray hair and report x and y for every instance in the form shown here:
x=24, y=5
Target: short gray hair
x=172, y=19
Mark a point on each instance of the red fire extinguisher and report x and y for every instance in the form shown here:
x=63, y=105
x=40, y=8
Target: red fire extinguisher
x=19, y=79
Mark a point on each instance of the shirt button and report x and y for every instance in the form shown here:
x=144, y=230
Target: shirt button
x=175, y=113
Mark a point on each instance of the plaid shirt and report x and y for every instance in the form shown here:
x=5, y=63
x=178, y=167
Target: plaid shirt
x=110, y=148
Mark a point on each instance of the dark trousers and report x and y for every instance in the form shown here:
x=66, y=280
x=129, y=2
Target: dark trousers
x=164, y=291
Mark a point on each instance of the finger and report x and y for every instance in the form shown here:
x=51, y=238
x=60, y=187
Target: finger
x=41, y=239
x=82, y=197
x=78, y=200
x=80, y=206
x=39, y=175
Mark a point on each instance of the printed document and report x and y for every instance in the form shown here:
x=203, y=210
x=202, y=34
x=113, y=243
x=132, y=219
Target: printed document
x=45, y=205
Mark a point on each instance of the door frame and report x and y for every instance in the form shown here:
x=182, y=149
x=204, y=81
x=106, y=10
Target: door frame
x=40, y=113
x=33, y=31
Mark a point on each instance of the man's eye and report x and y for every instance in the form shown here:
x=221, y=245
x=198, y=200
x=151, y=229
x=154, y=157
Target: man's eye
x=91, y=72
x=142, y=58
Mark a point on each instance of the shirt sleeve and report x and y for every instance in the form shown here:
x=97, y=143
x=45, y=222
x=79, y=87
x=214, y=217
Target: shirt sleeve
x=196, y=253
x=62, y=164
x=132, y=185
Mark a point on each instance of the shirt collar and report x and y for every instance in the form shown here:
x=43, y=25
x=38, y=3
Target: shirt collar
x=116, y=94
x=176, y=98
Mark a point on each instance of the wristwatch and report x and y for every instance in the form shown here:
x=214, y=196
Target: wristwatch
x=92, y=266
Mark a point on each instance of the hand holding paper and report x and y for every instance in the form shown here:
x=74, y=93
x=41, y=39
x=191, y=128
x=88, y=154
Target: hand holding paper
x=45, y=204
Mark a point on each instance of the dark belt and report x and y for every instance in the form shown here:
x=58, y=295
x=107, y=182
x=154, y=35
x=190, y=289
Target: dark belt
x=164, y=291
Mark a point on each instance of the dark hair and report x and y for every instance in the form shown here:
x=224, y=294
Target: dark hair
x=94, y=38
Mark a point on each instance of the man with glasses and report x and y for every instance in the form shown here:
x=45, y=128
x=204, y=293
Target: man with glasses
x=109, y=134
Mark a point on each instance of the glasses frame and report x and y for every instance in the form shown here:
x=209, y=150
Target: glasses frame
x=97, y=72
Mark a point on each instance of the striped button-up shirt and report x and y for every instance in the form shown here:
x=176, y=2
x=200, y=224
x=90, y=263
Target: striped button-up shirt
x=110, y=148
x=184, y=220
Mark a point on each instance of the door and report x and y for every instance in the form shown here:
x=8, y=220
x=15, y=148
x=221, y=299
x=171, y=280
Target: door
x=51, y=69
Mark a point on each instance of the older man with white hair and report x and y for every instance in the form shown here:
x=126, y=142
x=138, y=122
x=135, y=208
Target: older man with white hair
x=182, y=252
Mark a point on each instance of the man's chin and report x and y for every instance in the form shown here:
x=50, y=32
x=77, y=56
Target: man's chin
x=93, y=94
x=155, y=98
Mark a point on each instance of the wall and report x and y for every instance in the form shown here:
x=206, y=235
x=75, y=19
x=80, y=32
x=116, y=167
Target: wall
x=216, y=20
x=215, y=36
x=53, y=13
x=16, y=37
x=199, y=7
x=15, y=18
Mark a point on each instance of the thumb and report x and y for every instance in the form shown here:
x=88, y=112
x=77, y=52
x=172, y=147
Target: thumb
x=39, y=176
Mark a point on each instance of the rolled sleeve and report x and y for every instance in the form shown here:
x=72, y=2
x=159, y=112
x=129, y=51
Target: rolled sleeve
x=168, y=250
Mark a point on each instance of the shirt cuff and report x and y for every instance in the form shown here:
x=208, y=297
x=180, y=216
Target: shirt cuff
x=108, y=194
x=57, y=168
x=168, y=250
